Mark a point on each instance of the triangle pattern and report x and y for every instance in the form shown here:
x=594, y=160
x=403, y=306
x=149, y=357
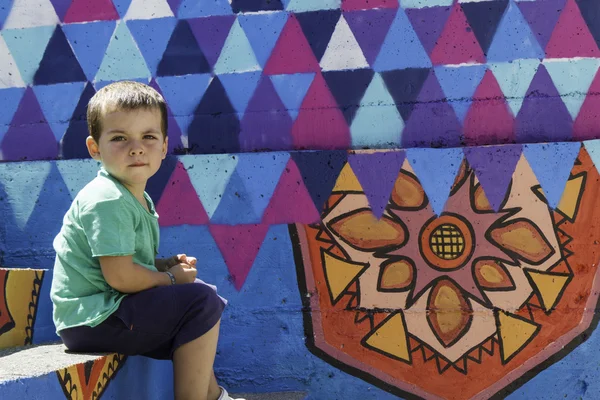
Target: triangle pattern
x=343, y=52
x=59, y=64
x=147, y=9
x=483, y=18
x=571, y=36
x=89, y=41
x=9, y=73
x=152, y=37
x=239, y=246
x=291, y=188
x=236, y=205
x=436, y=170
x=570, y=200
x=459, y=84
x=91, y=10
x=428, y=23
x=354, y=5
x=319, y=170
x=377, y=113
x=292, y=88
x=514, y=78
x=9, y=101
x=183, y=93
x=515, y=333
x=73, y=140
x=255, y=5
x=348, y=88
x=300, y=6
x=494, y=167
x=377, y=172
x=262, y=31
x=572, y=78
x=591, y=14
x=552, y=164
x=370, y=28
x=211, y=33
x=114, y=67
x=549, y=286
x=24, y=192
x=123, y=5
x=240, y=87
x=58, y=103
x=593, y=149
x=390, y=337
x=405, y=85
x=30, y=13
x=340, y=274
x=347, y=181
x=542, y=17
x=318, y=27
x=27, y=47
x=77, y=173
x=237, y=54
x=182, y=55
x=586, y=125
x=4, y=11
x=210, y=175
x=193, y=8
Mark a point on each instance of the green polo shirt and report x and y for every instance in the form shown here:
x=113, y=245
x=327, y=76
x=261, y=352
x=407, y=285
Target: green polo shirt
x=105, y=219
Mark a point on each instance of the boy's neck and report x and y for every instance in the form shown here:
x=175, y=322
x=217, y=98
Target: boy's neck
x=138, y=193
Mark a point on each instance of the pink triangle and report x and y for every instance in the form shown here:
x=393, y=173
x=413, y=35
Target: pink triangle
x=239, y=245
x=291, y=202
x=91, y=10
x=179, y=203
x=571, y=36
x=457, y=43
x=489, y=120
x=320, y=123
x=587, y=122
x=354, y=5
x=292, y=53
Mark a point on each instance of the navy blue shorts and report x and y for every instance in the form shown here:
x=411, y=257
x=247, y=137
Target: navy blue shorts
x=152, y=323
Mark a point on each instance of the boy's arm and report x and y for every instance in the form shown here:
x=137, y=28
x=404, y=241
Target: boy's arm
x=122, y=274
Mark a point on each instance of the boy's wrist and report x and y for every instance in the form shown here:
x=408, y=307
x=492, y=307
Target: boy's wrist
x=171, y=277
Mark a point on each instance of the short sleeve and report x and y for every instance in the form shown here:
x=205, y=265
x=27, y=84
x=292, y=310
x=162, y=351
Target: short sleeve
x=109, y=226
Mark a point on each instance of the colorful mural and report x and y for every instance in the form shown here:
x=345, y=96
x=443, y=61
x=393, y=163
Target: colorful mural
x=89, y=380
x=250, y=75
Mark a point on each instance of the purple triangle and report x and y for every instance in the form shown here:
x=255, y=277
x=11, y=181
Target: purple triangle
x=432, y=122
x=494, y=167
x=29, y=137
x=211, y=32
x=428, y=23
x=377, y=172
x=174, y=4
x=543, y=116
x=173, y=129
x=370, y=27
x=61, y=7
x=266, y=124
x=542, y=17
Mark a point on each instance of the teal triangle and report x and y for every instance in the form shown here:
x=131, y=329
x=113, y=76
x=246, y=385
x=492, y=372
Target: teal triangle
x=377, y=113
x=123, y=59
x=27, y=47
x=514, y=78
x=298, y=6
x=209, y=175
x=237, y=54
x=593, y=149
x=292, y=88
x=183, y=93
x=436, y=170
x=401, y=48
x=152, y=37
x=572, y=78
x=77, y=173
x=260, y=173
x=236, y=206
x=262, y=31
x=240, y=88
x=58, y=103
x=9, y=102
x=552, y=164
x=89, y=42
x=459, y=85
x=205, y=8
x=514, y=39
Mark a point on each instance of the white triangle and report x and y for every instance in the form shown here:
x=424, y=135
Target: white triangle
x=77, y=173
x=9, y=73
x=148, y=9
x=343, y=51
x=23, y=182
x=514, y=79
x=31, y=13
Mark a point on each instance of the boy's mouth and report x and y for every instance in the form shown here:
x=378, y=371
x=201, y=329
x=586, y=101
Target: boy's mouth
x=137, y=164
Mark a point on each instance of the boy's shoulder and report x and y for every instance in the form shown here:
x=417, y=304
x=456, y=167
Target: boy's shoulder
x=101, y=189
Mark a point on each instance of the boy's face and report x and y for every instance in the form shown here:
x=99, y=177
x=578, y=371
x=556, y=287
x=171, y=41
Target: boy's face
x=131, y=146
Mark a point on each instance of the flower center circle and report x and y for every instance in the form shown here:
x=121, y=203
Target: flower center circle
x=447, y=242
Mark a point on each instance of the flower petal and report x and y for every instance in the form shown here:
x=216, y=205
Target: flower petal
x=362, y=230
x=449, y=314
x=408, y=194
x=522, y=239
x=396, y=275
x=492, y=275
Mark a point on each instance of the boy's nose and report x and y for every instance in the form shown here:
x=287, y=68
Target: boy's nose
x=136, y=150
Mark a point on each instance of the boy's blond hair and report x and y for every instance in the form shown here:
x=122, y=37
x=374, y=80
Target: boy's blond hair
x=123, y=95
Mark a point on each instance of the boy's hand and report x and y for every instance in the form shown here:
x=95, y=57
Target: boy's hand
x=183, y=273
x=191, y=261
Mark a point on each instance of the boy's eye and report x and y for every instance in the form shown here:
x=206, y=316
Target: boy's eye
x=149, y=137
x=117, y=138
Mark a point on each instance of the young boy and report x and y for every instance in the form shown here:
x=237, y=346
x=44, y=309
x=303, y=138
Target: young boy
x=109, y=293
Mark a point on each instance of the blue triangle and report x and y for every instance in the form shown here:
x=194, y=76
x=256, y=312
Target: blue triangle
x=206, y=8
x=552, y=164
x=514, y=39
x=299, y=6
x=240, y=88
x=122, y=6
x=183, y=54
x=27, y=47
x=436, y=170
x=593, y=149
x=237, y=54
x=260, y=173
x=152, y=37
x=58, y=103
x=73, y=141
x=9, y=102
x=236, y=206
x=262, y=31
x=77, y=173
x=459, y=85
x=5, y=8
x=292, y=88
x=89, y=42
x=115, y=66
x=183, y=93
x=401, y=48
x=59, y=64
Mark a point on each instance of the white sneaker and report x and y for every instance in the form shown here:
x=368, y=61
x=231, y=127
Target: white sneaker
x=225, y=395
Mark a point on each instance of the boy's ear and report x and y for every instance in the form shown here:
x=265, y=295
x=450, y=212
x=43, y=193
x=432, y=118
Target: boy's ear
x=165, y=147
x=93, y=148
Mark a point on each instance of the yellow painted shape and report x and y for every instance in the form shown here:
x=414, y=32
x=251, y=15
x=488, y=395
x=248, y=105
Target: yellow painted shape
x=514, y=332
x=391, y=338
x=340, y=274
x=491, y=274
x=549, y=286
x=570, y=197
x=347, y=181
